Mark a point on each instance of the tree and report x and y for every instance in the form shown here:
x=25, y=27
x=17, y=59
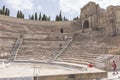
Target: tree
x=65, y=19
x=32, y=17
x=7, y=12
x=20, y=14
x=35, y=16
x=40, y=16
x=76, y=18
x=3, y=10
x=57, y=18
x=60, y=16
x=0, y=11
x=44, y=18
x=23, y=16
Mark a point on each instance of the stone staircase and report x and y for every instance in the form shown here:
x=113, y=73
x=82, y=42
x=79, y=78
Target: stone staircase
x=7, y=40
x=37, y=48
x=65, y=46
x=16, y=48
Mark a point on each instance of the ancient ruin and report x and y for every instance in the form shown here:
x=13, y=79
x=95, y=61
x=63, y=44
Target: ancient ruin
x=94, y=38
x=94, y=17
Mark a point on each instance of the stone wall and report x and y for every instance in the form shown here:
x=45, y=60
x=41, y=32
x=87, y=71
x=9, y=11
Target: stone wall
x=86, y=76
x=108, y=19
x=46, y=26
x=90, y=12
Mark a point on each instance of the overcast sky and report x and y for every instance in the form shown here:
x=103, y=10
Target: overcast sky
x=69, y=8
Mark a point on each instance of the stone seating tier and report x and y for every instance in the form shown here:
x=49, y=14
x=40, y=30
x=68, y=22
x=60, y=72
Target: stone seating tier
x=6, y=46
x=39, y=49
x=82, y=51
x=74, y=60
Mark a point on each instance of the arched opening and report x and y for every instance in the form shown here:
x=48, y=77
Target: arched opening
x=61, y=30
x=86, y=24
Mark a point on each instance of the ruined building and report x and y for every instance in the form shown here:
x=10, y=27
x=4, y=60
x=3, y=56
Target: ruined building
x=94, y=18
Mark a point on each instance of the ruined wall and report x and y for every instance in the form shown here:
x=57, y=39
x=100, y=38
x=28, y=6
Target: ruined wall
x=90, y=13
x=38, y=26
x=117, y=16
x=88, y=10
x=108, y=20
x=113, y=20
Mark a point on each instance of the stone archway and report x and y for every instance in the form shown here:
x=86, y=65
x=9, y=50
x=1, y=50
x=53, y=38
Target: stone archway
x=86, y=24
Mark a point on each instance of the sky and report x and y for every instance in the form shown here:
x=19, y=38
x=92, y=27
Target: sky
x=69, y=8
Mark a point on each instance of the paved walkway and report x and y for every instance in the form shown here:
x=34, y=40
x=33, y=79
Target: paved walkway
x=113, y=77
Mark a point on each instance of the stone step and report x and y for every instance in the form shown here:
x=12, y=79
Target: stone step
x=8, y=38
x=31, y=57
x=78, y=58
x=39, y=41
x=74, y=61
x=82, y=54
